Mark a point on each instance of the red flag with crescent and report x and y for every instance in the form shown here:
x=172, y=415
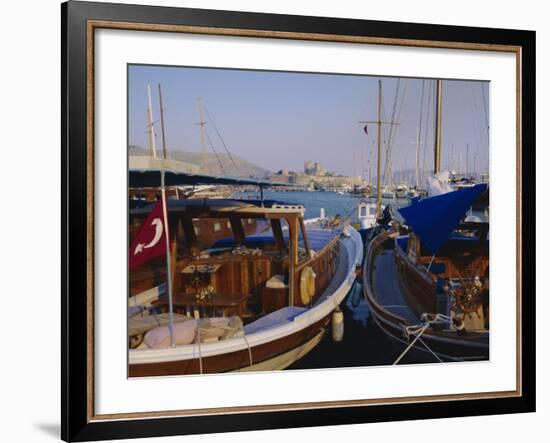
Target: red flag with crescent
x=150, y=241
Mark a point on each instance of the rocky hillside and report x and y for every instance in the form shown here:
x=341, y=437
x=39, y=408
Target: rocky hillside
x=220, y=164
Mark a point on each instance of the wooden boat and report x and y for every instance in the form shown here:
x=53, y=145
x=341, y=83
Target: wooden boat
x=431, y=278
x=283, y=281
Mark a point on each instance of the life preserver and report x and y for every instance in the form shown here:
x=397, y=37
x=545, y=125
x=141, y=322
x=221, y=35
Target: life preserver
x=307, y=285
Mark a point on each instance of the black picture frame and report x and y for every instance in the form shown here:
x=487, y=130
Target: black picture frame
x=76, y=422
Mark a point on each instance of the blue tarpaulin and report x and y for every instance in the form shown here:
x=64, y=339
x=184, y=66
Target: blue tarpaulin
x=433, y=219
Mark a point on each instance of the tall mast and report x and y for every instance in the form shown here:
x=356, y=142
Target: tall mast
x=467, y=167
x=150, y=125
x=378, y=187
x=165, y=223
x=417, y=172
x=379, y=123
x=437, y=145
x=452, y=166
x=163, y=134
x=201, y=124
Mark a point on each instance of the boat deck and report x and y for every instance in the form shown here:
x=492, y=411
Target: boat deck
x=288, y=313
x=318, y=238
x=387, y=289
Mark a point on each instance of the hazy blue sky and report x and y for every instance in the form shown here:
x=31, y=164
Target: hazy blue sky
x=278, y=120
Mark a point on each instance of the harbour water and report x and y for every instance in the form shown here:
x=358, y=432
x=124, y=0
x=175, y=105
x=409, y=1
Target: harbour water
x=364, y=344
x=332, y=202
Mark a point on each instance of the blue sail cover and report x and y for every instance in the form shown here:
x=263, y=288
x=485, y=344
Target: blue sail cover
x=433, y=219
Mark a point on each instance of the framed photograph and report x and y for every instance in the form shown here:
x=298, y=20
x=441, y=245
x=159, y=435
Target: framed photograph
x=277, y=221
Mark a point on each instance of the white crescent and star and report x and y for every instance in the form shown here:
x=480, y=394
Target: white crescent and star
x=157, y=223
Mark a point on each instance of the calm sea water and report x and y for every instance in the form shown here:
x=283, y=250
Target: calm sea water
x=333, y=203
x=364, y=344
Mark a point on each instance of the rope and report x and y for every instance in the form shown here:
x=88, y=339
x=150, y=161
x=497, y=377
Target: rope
x=426, y=326
x=221, y=139
x=249, y=349
x=390, y=136
x=418, y=331
x=199, y=344
x=215, y=152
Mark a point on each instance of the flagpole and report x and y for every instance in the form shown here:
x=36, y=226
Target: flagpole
x=168, y=260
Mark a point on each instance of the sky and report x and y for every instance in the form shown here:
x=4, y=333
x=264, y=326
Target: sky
x=277, y=120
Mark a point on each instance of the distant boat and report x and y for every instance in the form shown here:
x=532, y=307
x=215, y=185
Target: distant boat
x=366, y=214
x=401, y=190
x=388, y=194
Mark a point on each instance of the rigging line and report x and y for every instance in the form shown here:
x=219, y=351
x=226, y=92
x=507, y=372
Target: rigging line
x=484, y=111
x=399, y=111
x=390, y=136
x=383, y=130
x=394, y=130
x=223, y=171
x=237, y=171
x=485, y=108
x=478, y=126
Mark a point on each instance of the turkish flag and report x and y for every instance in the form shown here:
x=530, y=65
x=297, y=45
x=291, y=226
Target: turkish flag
x=150, y=241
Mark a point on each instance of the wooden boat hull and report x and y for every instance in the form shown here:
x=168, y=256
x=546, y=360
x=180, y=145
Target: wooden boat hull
x=272, y=355
x=448, y=345
x=278, y=343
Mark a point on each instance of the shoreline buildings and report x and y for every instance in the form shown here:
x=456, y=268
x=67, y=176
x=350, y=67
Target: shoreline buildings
x=316, y=176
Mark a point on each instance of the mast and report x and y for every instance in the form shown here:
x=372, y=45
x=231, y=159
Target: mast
x=452, y=166
x=201, y=124
x=467, y=167
x=379, y=123
x=150, y=125
x=168, y=260
x=378, y=187
x=163, y=134
x=437, y=145
x=417, y=172
x=165, y=222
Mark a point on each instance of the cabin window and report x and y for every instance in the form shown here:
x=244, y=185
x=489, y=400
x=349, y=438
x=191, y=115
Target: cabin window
x=197, y=230
x=362, y=211
x=228, y=224
x=250, y=221
x=372, y=210
x=217, y=227
x=301, y=245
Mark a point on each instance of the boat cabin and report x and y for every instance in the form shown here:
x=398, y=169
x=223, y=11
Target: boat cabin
x=442, y=257
x=240, y=257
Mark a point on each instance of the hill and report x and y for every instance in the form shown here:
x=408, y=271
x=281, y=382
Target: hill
x=220, y=164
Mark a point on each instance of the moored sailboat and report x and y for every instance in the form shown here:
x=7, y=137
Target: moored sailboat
x=428, y=277
x=245, y=300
